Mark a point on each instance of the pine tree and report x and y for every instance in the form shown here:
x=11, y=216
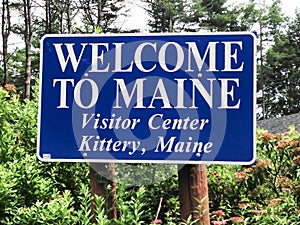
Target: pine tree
x=165, y=15
x=100, y=14
x=217, y=15
x=282, y=72
x=271, y=22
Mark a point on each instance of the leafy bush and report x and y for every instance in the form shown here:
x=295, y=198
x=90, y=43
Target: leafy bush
x=264, y=193
x=32, y=192
x=29, y=188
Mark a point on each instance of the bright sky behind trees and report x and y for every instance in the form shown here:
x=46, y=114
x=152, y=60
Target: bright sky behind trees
x=137, y=18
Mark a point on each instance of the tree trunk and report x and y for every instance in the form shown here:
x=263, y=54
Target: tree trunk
x=99, y=183
x=69, y=20
x=99, y=8
x=5, y=28
x=47, y=17
x=193, y=193
x=28, y=42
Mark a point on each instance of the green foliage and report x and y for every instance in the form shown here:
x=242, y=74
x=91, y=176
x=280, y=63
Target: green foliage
x=58, y=210
x=16, y=69
x=268, y=192
x=282, y=72
x=199, y=212
x=32, y=192
x=218, y=15
x=18, y=126
x=212, y=15
x=102, y=14
x=175, y=16
x=132, y=210
x=165, y=15
x=28, y=186
x=101, y=218
x=83, y=213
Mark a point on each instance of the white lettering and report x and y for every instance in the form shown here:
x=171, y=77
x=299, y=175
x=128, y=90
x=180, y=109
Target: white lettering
x=70, y=56
x=98, y=58
x=225, y=93
x=138, y=56
x=192, y=49
x=94, y=95
x=121, y=88
x=63, y=91
x=208, y=97
x=118, y=59
x=160, y=87
x=228, y=56
x=162, y=57
x=180, y=94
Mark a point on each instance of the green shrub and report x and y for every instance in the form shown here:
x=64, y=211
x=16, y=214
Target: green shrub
x=32, y=192
x=264, y=193
x=58, y=210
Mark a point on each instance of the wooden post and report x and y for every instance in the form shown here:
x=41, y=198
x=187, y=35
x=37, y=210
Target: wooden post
x=193, y=191
x=98, y=184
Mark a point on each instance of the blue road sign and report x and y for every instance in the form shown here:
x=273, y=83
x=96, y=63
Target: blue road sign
x=155, y=98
